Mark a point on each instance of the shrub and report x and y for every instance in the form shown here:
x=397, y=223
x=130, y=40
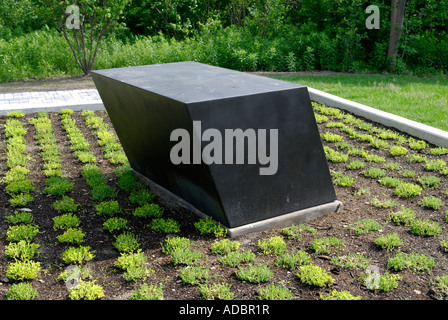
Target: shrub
x=19, y=186
x=254, y=274
x=374, y=173
x=291, y=261
x=351, y=261
x=339, y=295
x=413, y=261
x=141, y=197
x=438, y=151
x=386, y=203
x=404, y=216
x=274, y=245
x=127, y=242
x=314, y=276
x=234, y=259
x=115, y=224
x=21, y=232
x=173, y=243
x=21, y=200
x=86, y=290
x=375, y=158
x=130, y=259
x=365, y=226
x=274, y=292
x=66, y=221
x=408, y=190
x=220, y=291
x=149, y=210
x=397, y=151
x=431, y=203
x=356, y=164
x=224, y=246
x=434, y=165
x=425, y=227
x=185, y=256
x=326, y=245
x=331, y=137
x=107, y=208
x=66, y=204
x=342, y=180
x=440, y=285
x=77, y=255
x=194, y=275
x=209, y=227
x=23, y=270
x=162, y=225
x=429, y=182
x=412, y=158
x=295, y=232
x=21, y=291
x=387, y=282
x=20, y=217
x=390, y=182
x=145, y=292
x=22, y=250
x=389, y=241
x=57, y=186
x=72, y=235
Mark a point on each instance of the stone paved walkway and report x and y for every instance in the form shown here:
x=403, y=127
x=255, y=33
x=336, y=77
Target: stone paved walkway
x=50, y=101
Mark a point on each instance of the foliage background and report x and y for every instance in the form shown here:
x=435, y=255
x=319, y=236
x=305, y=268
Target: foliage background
x=246, y=35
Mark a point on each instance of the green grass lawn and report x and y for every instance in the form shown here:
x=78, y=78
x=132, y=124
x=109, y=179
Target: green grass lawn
x=420, y=99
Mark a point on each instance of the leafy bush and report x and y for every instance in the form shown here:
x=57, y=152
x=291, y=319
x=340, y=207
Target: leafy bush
x=72, y=235
x=295, y=232
x=425, y=227
x=327, y=245
x=413, y=261
x=291, y=261
x=66, y=204
x=254, y=274
x=173, y=243
x=57, y=186
x=145, y=292
x=234, y=259
x=107, y=208
x=274, y=245
x=86, y=290
x=20, y=217
x=224, y=246
x=165, y=225
x=339, y=295
x=194, y=275
x=408, y=190
x=77, y=255
x=220, y=291
x=365, y=226
x=431, y=203
x=209, y=227
x=397, y=151
x=21, y=291
x=149, y=210
x=23, y=270
x=21, y=232
x=185, y=256
x=314, y=276
x=351, y=261
x=404, y=216
x=115, y=224
x=274, y=292
x=127, y=242
x=22, y=250
x=389, y=241
x=66, y=221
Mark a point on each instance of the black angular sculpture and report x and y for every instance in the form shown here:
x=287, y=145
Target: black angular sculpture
x=241, y=148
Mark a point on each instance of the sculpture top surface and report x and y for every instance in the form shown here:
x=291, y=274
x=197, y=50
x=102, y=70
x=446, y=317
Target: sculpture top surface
x=190, y=82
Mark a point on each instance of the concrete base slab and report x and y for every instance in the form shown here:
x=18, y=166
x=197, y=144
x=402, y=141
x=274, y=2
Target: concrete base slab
x=282, y=221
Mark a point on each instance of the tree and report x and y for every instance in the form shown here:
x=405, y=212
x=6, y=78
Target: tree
x=84, y=24
x=396, y=27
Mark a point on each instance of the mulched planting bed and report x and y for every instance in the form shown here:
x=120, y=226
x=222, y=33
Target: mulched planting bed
x=363, y=197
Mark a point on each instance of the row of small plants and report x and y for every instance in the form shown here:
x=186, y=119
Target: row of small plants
x=18, y=186
x=380, y=139
x=112, y=150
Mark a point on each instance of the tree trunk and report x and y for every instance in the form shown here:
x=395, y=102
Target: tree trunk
x=396, y=27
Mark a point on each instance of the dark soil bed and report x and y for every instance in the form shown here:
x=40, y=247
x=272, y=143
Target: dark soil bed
x=413, y=285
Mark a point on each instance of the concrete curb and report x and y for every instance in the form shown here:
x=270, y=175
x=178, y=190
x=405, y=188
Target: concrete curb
x=413, y=128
